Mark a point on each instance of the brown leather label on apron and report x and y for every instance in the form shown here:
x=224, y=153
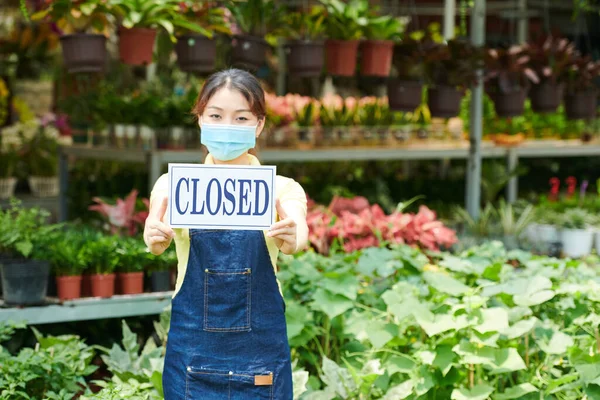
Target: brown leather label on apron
x=263, y=380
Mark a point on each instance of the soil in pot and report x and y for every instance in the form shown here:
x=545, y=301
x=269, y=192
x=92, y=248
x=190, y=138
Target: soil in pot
x=577, y=242
x=404, y=95
x=196, y=53
x=249, y=51
x=103, y=285
x=136, y=45
x=509, y=104
x=444, y=101
x=305, y=58
x=581, y=105
x=341, y=57
x=84, y=52
x=161, y=281
x=376, y=57
x=24, y=282
x=545, y=97
x=130, y=282
x=69, y=287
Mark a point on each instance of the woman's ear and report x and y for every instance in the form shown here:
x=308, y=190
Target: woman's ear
x=260, y=127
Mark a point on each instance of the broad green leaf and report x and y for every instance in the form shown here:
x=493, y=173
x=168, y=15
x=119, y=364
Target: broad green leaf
x=444, y=358
x=424, y=381
x=345, y=284
x=337, y=377
x=426, y=356
x=520, y=328
x=457, y=264
x=552, y=341
x=588, y=372
x=445, y=283
x=411, y=307
x=331, y=304
x=496, y=360
x=486, y=339
x=379, y=333
x=537, y=291
x=516, y=392
x=493, y=320
x=479, y=392
x=506, y=360
x=402, y=364
x=356, y=325
x=400, y=391
x=296, y=316
x=442, y=323
x=377, y=259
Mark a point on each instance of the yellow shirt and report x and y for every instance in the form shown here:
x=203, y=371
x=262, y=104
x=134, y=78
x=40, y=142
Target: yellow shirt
x=287, y=190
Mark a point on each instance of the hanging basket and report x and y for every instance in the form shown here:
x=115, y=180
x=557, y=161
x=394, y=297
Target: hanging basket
x=84, y=52
x=7, y=187
x=341, y=57
x=136, y=45
x=404, y=95
x=376, y=57
x=545, y=97
x=249, y=51
x=509, y=104
x=305, y=57
x=581, y=105
x=444, y=101
x=42, y=186
x=196, y=53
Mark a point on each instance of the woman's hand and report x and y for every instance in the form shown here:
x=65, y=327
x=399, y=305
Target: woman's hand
x=157, y=234
x=286, y=232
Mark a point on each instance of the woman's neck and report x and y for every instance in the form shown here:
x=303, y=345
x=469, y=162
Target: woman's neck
x=244, y=159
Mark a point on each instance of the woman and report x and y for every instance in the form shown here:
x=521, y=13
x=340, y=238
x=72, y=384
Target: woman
x=228, y=337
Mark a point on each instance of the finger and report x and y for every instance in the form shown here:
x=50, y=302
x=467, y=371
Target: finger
x=158, y=239
x=280, y=211
x=162, y=208
x=290, y=239
x=163, y=228
x=282, y=224
x=283, y=231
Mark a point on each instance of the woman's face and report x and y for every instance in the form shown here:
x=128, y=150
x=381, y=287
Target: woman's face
x=230, y=107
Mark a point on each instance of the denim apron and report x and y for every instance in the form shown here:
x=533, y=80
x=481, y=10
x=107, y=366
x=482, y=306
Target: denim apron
x=228, y=336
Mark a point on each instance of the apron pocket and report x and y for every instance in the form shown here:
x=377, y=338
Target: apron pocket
x=217, y=384
x=227, y=300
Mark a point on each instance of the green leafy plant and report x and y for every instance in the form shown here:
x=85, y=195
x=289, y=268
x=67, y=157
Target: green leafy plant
x=346, y=20
x=208, y=15
x=408, y=59
x=303, y=25
x=385, y=27
x=67, y=252
x=577, y=218
x=514, y=224
x=133, y=255
x=452, y=64
x=73, y=16
x=255, y=17
x=101, y=254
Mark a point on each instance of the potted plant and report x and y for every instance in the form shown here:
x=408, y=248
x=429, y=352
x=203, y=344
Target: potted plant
x=10, y=146
x=405, y=89
x=380, y=32
x=513, y=223
x=303, y=31
x=508, y=75
x=132, y=260
x=550, y=60
x=581, y=93
x=25, y=240
x=84, y=29
x=103, y=259
x=344, y=26
x=68, y=259
x=576, y=234
x=374, y=118
x=450, y=69
x=197, y=51
x=337, y=117
x=160, y=270
x=253, y=19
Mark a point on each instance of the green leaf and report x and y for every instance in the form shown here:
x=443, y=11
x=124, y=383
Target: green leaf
x=552, y=341
x=516, y=392
x=479, y=392
x=442, y=323
x=380, y=333
x=537, y=291
x=506, y=360
x=296, y=316
x=24, y=248
x=330, y=303
x=445, y=283
x=493, y=320
x=444, y=358
x=400, y=391
x=377, y=259
x=520, y=328
x=403, y=364
x=345, y=284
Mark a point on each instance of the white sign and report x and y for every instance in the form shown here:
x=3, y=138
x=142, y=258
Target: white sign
x=221, y=196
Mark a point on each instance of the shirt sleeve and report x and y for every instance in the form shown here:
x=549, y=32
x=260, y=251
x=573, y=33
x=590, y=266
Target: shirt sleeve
x=292, y=193
x=161, y=187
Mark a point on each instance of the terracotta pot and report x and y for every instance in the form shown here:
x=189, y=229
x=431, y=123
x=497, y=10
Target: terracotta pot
x=404, y=95
x=444, y=101
x=130, y=282
x=505, y=140
x=103, y=285
x=341, y=56
x=84, y=52
x=509, y=104
x=69, y=287
x=305, y=58
x=581, y=105
x=136, y=45
x=196, y=53
x=376, y=57
x=86, y=285
x=249, y=51
x=546, y=97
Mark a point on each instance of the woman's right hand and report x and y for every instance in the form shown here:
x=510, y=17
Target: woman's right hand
x=157, y=234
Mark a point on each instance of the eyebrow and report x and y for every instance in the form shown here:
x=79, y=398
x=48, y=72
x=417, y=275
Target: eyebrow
x=219, y=108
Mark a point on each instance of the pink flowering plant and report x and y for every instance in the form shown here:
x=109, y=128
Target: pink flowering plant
x=123, y=217
x=354, y=224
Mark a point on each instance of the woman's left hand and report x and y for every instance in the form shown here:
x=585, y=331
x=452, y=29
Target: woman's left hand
x=285, y=232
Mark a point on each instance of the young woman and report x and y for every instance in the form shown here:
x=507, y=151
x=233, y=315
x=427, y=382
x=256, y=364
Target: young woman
x=228, y=337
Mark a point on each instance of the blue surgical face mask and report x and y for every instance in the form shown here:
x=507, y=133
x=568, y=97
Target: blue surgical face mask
x=227, y=142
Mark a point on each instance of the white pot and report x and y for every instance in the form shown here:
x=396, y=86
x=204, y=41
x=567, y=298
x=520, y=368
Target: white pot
x=530, y=233
x=7, y=187
x=547, y=233
x=597, y=237
x=577, y=242
x=42, y=186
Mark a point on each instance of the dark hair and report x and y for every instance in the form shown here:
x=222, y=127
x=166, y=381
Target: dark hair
x=240, y=80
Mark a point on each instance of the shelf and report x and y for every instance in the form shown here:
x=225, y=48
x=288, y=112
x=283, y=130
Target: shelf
x=86, y=309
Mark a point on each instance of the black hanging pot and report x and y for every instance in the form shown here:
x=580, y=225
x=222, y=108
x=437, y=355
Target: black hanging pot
x=305, y=57
x=84, y=52
x=444, y=101
x=160, y=281
x=581, y=105
x=196, y=53
x=249, y=51
x=404, y=95
x=510, y=104
x=546, y=97
x=24, y=282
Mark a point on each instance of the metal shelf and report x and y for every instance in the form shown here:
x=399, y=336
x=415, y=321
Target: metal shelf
x=86, y=309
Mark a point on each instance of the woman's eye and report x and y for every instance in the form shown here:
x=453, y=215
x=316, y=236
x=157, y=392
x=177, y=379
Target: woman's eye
x=215, y=116
x=242, y=118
